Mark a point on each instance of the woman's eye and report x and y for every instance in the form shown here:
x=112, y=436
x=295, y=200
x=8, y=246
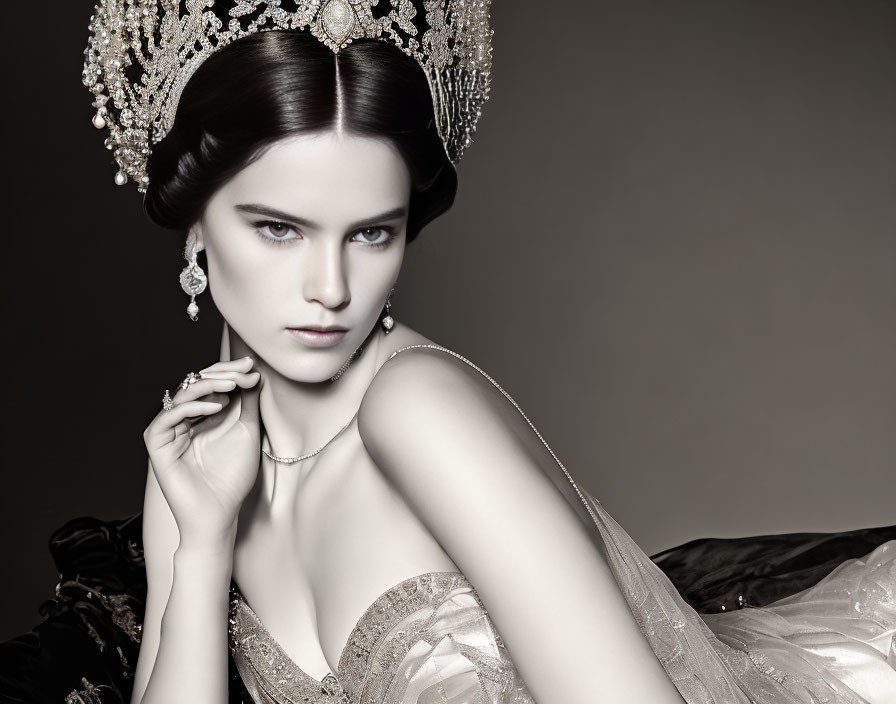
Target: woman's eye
x=374, y=235
x=276, y=230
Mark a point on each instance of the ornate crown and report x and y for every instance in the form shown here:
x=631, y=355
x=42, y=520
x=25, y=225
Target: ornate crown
x=141, y=53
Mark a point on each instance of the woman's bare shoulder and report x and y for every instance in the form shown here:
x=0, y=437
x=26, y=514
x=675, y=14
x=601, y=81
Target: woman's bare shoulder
x=436, y=407
x=420, y=374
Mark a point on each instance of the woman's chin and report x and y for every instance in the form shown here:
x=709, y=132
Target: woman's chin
x=311, y=367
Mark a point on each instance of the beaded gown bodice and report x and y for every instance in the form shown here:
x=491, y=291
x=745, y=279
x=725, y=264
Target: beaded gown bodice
x=428, y=640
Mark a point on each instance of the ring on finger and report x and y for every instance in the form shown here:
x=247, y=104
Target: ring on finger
x=190, y=379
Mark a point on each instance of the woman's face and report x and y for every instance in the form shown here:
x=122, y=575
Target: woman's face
x=311, y=234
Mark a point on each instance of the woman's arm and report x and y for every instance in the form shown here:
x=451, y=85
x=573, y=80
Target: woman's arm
x=191, y=663
x=160, y=539
x=477, y=476
x=183, y=650
x=183, y=653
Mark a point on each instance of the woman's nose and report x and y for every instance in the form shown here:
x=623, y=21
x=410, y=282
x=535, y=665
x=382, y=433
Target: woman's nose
x=325, y=275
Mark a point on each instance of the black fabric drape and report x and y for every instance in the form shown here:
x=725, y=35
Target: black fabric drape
x=85, y=650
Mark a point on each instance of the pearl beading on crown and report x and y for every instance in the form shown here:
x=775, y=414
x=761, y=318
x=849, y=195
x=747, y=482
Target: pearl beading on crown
x=141, y=53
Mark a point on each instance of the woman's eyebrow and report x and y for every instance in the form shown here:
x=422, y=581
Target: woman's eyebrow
x=257, y=209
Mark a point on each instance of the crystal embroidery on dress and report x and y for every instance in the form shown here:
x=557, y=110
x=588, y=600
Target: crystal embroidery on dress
x=427, y=636
x=268, y=672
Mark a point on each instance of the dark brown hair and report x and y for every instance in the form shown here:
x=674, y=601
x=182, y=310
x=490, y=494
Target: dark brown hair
x=273, y=85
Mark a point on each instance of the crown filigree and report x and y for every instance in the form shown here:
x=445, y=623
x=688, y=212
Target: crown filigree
x=141, y=53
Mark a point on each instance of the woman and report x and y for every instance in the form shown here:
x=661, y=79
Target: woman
x=353, y=568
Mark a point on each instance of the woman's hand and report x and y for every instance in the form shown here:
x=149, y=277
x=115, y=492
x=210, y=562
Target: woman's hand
x=205, y=451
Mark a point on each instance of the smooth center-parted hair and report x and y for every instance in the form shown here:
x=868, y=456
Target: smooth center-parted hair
x=274, y=85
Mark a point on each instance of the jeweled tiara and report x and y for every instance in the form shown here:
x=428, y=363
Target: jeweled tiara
x=141, y=53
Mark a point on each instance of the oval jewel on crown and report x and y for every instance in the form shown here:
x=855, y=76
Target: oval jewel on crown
x=338, y=20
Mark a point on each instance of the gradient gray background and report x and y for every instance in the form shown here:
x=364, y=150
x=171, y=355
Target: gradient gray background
x=674, y=245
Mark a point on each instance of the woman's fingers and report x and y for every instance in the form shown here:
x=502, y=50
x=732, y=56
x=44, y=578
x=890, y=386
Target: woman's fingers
x=219, y=377
x=241, y=365
x=217, y=374
x=164, y=428
x=182, y=428
x=214, y=387
x=201, y=399
x=243, y=379
x=191, y=409
x=237, y=371
x=203, y=388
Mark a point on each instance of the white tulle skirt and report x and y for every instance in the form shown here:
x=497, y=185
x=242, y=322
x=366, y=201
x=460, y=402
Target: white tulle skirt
x=833, y=642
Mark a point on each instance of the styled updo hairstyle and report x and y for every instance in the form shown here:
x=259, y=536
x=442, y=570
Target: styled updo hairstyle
x=273, y=85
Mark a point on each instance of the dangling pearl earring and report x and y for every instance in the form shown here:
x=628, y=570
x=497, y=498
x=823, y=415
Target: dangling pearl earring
x=192, y=279
x=388, y=321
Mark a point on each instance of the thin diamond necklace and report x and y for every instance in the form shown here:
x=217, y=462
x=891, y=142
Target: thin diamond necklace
x=293, y=460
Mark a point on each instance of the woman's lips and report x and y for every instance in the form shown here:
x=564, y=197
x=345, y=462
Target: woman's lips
x=317, y=338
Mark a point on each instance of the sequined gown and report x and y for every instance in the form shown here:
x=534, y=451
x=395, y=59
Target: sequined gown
x=426, y=640
x=429, y=640
x=829, y=638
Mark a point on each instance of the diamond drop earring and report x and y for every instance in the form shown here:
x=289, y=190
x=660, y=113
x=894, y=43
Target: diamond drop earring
x=387, y=321
x=192, y=279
